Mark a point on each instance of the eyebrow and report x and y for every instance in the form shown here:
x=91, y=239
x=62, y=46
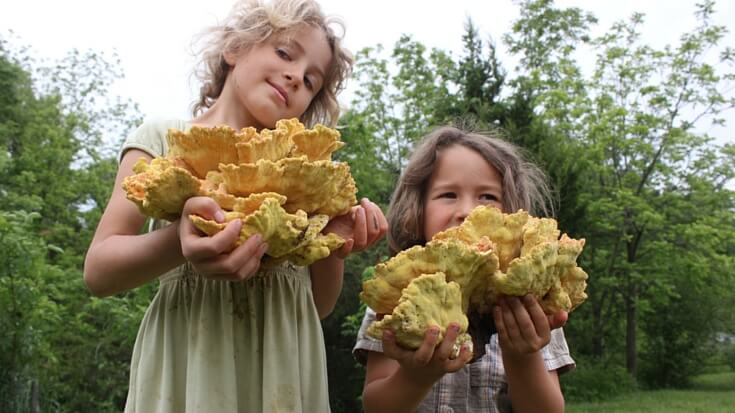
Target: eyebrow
x=443, y=186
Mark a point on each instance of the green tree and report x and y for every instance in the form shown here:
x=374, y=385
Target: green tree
x=634, y=119
x=69, y=352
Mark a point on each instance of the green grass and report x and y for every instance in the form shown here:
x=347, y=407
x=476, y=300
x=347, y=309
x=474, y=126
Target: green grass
x=710, y=393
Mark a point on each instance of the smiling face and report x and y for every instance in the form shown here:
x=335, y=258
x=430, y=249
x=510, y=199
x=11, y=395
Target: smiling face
x=462, y=179
x=278, y=78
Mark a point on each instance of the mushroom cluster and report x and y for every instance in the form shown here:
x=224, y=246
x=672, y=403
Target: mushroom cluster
x=282, y=183
x=490, y=254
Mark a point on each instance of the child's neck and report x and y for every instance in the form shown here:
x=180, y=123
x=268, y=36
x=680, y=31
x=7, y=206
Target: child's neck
x=226, y=110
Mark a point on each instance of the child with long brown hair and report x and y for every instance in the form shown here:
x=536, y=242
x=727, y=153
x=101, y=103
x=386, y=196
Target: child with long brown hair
x=451, y=172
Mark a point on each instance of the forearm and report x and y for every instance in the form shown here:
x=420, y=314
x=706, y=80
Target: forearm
x=397, y=393
x=326, y=283
x=123, y=262
x=536, y=388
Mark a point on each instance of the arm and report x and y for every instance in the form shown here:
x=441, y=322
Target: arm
x=326, y=283
x=398, y=380
x=119, y=259
x=523, y=330
x=362, y=227
x=540, y=389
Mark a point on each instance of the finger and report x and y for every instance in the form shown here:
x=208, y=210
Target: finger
x=196, y=247
x=446, y=347
x=512, y=332
x=425, y=352
x=500, y=323
x=359, y=232
x=345, y=249
x=526, y=327
x=558, y=319
x=205, y=207
x=464, y=357
x=512, y=314
x=371, y=220
x=380, y=222
x=239, y=256
x=392, y=350
x=537, y=316
x=252, y=266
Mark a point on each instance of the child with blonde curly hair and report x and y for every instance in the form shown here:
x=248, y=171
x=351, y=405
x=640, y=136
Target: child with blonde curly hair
x=222, y=334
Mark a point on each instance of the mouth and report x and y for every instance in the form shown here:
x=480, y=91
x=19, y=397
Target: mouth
x=281, y=92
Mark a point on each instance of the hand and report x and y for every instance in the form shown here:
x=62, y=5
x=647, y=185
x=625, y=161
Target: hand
x=429, y=361
x=522, y=326
x=362, y=227
x=213, y=257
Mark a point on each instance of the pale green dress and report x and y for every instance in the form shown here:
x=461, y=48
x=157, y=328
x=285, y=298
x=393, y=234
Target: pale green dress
x=216, y=346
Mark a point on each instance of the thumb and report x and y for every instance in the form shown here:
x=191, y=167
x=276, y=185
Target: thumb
x=558, y=319
x=346, y=249
x=205, y=207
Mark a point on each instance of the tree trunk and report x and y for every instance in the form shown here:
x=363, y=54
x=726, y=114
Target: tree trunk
x=35, y=397
x=631, y=352
x=597, y=336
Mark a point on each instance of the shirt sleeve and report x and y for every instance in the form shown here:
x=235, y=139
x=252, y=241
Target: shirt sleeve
x=556, y=353
x=365, y=343
x=150, y=137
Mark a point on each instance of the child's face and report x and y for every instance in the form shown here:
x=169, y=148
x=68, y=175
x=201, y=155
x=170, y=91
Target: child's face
x=461, y=180
x=279, y=78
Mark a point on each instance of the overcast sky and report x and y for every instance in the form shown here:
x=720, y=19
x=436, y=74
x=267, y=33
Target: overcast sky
x=153, y=37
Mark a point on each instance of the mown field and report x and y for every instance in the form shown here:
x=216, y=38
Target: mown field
x=711, y=393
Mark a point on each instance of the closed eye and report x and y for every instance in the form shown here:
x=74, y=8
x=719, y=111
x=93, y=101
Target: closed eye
x=449, y=195
x=283, y=54
x=489, y=197
x=308, y=83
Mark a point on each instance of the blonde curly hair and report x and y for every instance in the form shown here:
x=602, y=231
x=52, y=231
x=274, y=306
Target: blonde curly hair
x=251, y=22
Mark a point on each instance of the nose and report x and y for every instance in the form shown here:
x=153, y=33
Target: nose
x=292, y=78
x=464, y=207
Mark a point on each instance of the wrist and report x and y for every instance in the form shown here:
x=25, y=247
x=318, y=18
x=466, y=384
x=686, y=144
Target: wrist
x=517, y=359
x=419, y=378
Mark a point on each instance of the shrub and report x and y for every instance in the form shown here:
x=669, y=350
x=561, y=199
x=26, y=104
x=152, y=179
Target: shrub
x=729, y=355
x=594, y=380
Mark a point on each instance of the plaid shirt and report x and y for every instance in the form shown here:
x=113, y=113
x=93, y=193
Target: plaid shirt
x=480, y=386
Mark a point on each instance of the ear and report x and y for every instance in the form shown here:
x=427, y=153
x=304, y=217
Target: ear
x=230, y=58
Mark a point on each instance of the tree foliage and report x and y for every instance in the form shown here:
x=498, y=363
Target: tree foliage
x=635, y=119
x=622, y=145
x=63, y=351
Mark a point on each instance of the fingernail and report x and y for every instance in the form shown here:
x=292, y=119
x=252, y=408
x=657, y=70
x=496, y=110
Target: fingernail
x=219, y=216
x=387, y=334
x=454, y=327
x=434, y=331
x=258, y=238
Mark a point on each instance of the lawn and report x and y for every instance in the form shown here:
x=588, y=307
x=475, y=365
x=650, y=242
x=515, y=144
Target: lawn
x=711, y=393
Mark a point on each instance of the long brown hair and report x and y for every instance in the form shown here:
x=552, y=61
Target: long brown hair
x=524, y=184
x=251, y=22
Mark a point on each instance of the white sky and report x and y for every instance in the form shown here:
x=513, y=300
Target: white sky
x=153, y=37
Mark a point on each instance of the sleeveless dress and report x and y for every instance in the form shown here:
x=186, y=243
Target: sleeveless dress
x=219, y=346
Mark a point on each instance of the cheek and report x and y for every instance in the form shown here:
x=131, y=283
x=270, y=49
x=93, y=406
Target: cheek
x=434, y=220
x=304, y=100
